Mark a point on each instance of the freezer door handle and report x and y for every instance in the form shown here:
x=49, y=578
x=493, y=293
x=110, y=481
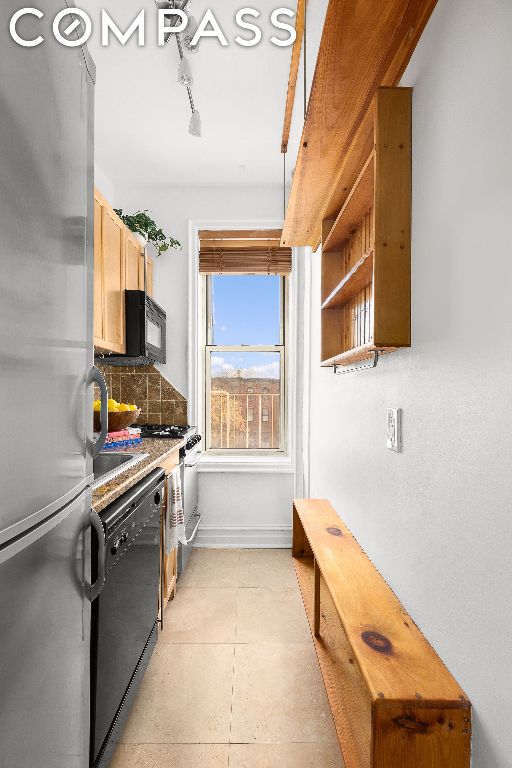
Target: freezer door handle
x=100, y=381
x=100, y=580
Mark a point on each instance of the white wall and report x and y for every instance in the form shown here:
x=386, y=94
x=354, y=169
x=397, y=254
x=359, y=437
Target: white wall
x=239, y=509
x=104, y=183
x=245, y=510
x=437, y=518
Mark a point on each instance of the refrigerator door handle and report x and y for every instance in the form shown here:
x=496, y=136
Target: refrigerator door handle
x=100, y=381
x=100, y=580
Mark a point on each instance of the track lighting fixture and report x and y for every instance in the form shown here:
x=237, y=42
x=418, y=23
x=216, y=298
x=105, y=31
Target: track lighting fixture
x=184, y=40
x=194, y=127
x=188, y=35
x=184, y=72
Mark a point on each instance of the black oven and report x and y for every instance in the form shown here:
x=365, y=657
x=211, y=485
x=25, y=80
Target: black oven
x=145, y=327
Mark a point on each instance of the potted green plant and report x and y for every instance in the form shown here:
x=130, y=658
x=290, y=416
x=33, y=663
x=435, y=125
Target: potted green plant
x=145, y=229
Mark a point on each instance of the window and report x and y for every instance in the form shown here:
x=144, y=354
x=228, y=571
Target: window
x=245, y=361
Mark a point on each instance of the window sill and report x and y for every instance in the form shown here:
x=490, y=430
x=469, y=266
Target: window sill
x=270, y=464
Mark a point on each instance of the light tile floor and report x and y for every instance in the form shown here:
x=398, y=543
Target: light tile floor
x=234, y=681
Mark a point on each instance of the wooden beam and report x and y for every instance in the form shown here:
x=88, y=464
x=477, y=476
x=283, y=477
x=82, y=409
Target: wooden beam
x=362, y=48
x=294, y=71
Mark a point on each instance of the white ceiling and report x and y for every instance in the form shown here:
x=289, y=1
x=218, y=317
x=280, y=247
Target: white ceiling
x=142, y=113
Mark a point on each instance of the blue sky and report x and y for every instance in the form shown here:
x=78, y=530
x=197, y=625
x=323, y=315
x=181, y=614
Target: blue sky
x=246, y=310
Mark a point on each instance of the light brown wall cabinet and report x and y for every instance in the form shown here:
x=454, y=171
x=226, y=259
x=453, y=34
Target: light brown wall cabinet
x=135, y=259
x=118, y=264
x=366, y=249
x=109, y=278
x=134, y=263
x=149, y=276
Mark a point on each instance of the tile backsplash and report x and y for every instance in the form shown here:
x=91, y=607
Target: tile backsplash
x=145, y=386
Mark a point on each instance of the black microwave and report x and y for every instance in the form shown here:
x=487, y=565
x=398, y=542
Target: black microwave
x=145, y=328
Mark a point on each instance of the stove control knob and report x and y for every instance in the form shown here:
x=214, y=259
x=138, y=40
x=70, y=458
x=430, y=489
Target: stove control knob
x=115, y=547
x=157, y=499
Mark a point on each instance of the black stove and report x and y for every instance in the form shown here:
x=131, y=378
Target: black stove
x=172, y=432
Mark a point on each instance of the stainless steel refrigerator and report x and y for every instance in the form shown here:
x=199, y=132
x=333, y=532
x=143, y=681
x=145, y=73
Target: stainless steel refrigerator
x=46, y=392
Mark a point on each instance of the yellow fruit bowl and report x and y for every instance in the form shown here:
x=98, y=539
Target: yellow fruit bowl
x=117, y=420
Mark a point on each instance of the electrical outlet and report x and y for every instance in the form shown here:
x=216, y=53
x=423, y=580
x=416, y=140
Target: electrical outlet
x=395, y=429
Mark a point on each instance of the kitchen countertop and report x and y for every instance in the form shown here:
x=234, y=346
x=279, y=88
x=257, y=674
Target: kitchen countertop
x=158, y=451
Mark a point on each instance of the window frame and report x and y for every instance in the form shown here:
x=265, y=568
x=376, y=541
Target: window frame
x=281, y=349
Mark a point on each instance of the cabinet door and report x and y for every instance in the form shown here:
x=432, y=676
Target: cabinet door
x=169, y=565
x=149, y=276
x=113, y=282
x=133, y=259
x=141, y=270
x=98, y=274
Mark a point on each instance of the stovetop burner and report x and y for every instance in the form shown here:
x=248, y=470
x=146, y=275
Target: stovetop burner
x=171, y=431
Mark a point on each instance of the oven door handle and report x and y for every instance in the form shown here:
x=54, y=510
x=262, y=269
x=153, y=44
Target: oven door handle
x=192, y=537
x=100, y=581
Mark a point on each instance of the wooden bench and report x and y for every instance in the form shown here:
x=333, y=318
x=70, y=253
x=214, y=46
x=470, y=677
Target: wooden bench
x=394, y=703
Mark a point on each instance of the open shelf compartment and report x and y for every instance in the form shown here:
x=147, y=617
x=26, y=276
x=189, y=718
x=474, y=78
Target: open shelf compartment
x=359, y=201
x=354, y=281
x=366, y=268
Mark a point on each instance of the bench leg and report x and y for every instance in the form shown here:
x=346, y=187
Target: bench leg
x=316, y=613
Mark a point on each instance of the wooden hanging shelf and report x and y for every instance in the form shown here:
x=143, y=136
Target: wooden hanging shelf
x=366, y=248
x=363, y=47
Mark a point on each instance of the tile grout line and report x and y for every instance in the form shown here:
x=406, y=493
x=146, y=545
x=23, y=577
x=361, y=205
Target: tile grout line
x=234, y=655
x=215, y=743
x=232, y=692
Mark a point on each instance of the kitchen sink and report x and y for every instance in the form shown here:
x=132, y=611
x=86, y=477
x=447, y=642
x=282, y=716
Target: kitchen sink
x=108, y=465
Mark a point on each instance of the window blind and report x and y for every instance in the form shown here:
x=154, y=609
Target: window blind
x=242, y=252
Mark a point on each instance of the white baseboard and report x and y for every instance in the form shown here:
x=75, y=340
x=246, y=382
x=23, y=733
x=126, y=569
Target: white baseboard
x=253, y=537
